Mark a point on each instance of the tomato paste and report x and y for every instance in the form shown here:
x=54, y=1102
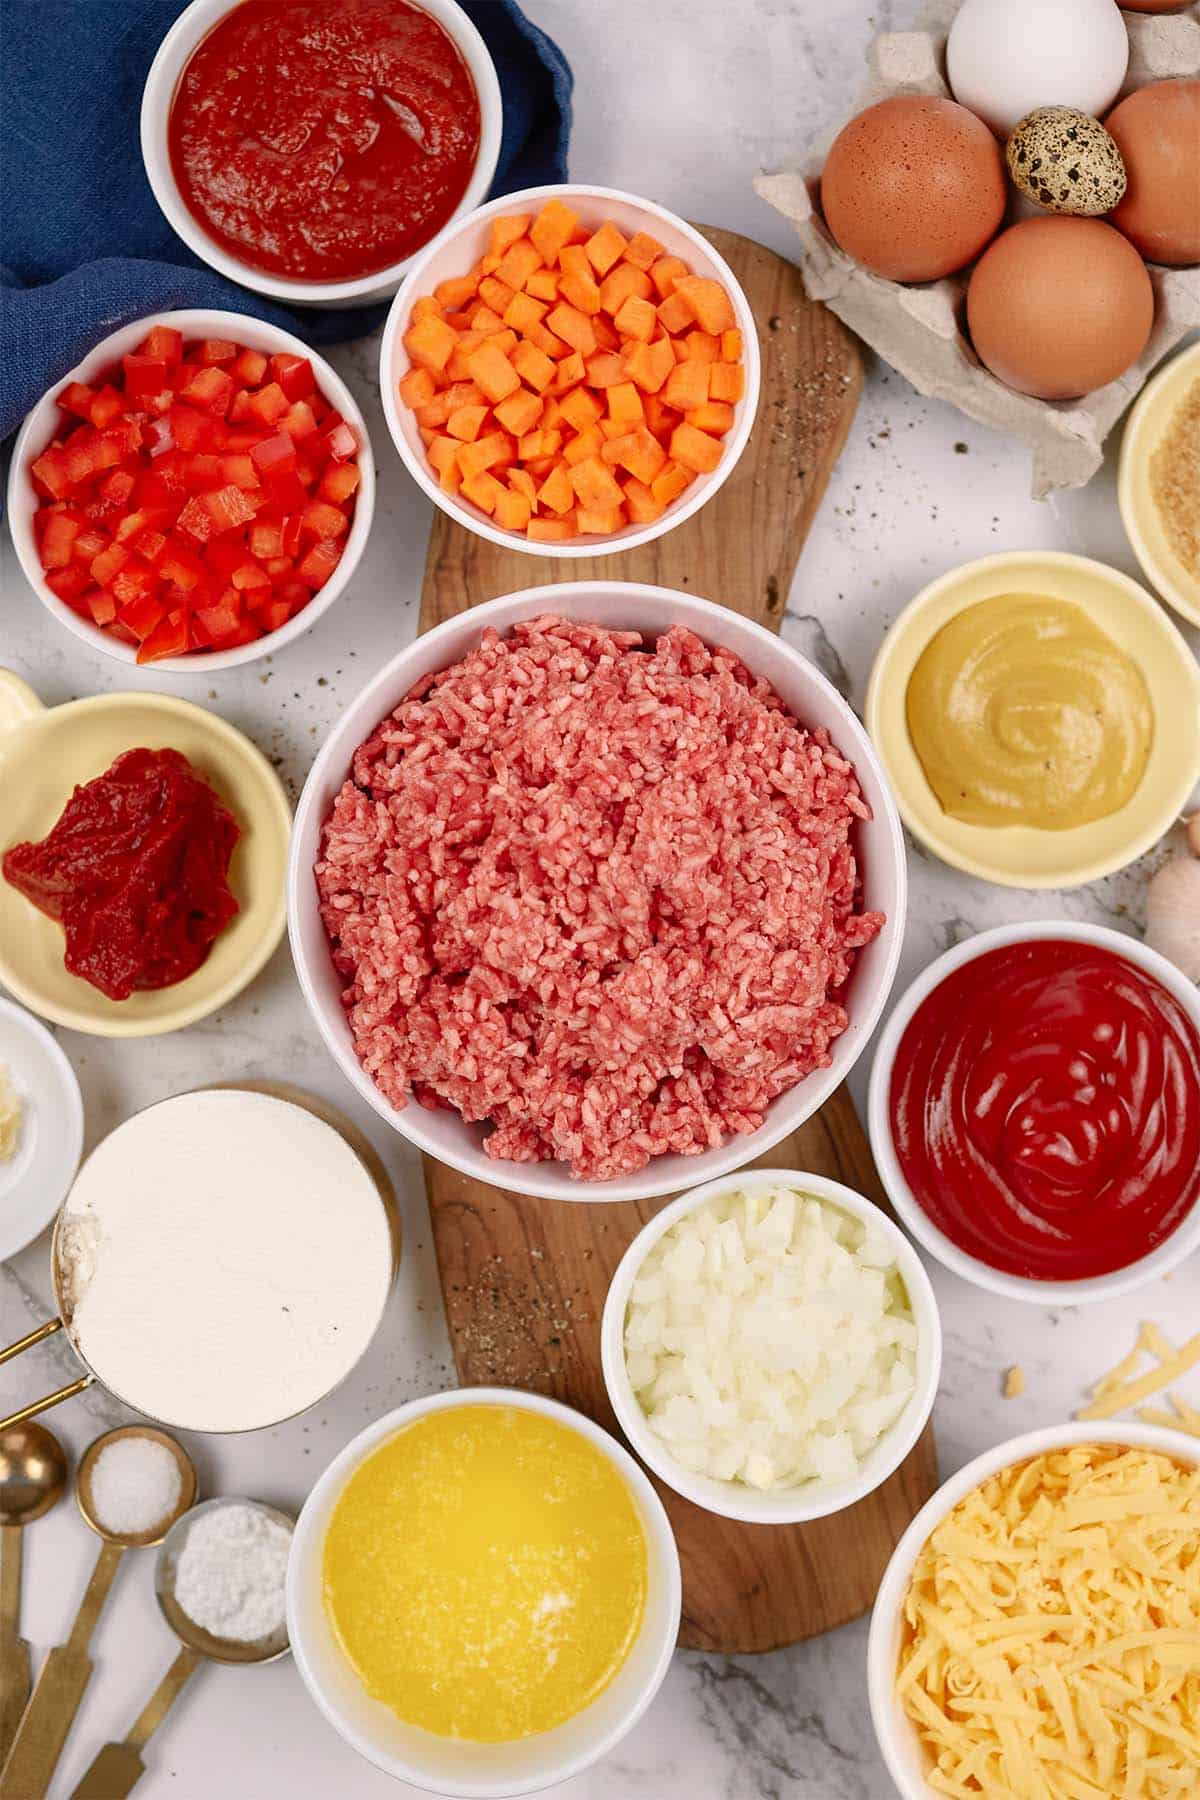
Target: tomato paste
x=135, y=871
x=1045, y=1107
x=324, y=139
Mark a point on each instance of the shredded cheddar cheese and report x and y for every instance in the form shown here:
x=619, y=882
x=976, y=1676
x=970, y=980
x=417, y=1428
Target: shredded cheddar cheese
x=1123, y=1387
x=1051, y=1643
x=1014, y=1383
x=10, y=1116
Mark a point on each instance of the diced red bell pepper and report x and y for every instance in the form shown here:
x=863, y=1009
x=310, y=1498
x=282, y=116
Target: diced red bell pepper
x=102, y=605
x=278, y=566
x=134, y=582
x=266, y=539
x=320, y=520
x=217, y=350
x=299, y=421
x=292, y=535
x=164, y=341
x=68, y=583
x=124, y=436
x=250, y=367
x=58, y=540
x=224, y=554
x=196, y=520
x=151, y=546
x=222, y=618
x=49, y=472
x=108, y=565
x=272, y=614
x=181, y=565
x=145, y=374
x=192, y=430
x=274, y=453
x=118, y=486
x=107, y=405
x=339, y=481
x=294, y=375
x=88, y=545
x=77, y=398
x=340, y=443
x=229, y=508
x=250, y=577
x=316, y=568
x=202, y=471
x=288, y=493
x=169, y=638
x=268, y=404
x=140, y=615
x=238, y=470
x=143, y=518
x=158, y=436
x=211, y=390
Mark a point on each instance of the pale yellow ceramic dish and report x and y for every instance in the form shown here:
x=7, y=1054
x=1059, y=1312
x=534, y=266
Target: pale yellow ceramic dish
x=1022, y=856
x=47, y=751
x=1147, y=426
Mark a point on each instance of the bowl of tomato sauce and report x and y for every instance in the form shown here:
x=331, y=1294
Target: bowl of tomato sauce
x=1034, y=1112
x=310, y=150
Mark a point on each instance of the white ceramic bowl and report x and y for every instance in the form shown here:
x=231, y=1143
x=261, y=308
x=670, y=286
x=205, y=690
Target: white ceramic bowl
x=186, y=33
x=446, y=1765
x=43, y=422
x=897, y=1737
x=1147, y=426
x=1160, y=1261
x=34, y=1182
x=734, y=1500
x=458, y=248
x=650, y=610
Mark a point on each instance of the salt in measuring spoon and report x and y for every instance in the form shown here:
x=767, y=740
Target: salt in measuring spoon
x=68, y=1668
x=117, y=1766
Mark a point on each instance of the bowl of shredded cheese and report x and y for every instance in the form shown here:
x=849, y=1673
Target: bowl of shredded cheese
x=1037, y=1632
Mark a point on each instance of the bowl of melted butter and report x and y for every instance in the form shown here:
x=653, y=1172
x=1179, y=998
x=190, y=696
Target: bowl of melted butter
x=1039, y=717
x=483, y=1593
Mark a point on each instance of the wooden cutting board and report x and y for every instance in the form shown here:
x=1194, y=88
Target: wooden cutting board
x=524, y=1279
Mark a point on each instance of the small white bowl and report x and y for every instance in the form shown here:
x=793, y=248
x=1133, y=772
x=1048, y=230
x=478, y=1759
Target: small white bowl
x=625, y=606
x=458, y=248
x=733, y=1499
x=1160, y=1261
x=451, y=1766
x=1145, y=430
x=34, y=1182
x=895, y=1732
x=44, y=421
x=193, y=25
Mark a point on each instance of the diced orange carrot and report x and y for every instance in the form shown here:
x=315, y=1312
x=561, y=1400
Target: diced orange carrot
x=495, y=374
x=605, y=247
x=581, y=409
x=573, y=327
x=727, y=381
x=512, y=510
x=426, y=434
x=519, y=413
x=539, y=468
x=427, y=308
x=519, y=262
x=485, y=321
x=523, y=483
x=584, y=444
x=569, y=374
x=675, y=314
x=731, y=346
x=622, y=281
x=533, y=366
x=506, y=340
x=607, y=335
x=457, y=368
x=625, y=403
x=435, y=412
x=443, y=453
x=552, y=413
x=484, y=453
x=553, y=228
x=713, y=416
x=458, y=321
x=701, y=346
x=642, y=250
x=687, y=386
x=709, y=303
x=506, y=231
x=455, y=293
x=543, y=285
x=523, y=312
x=636, y=319
x=640, y=503
x=416, y=388
x=556, y=492
x=551, y=531
x=610, y=429
x=661, y=419
x=464, y=393
x=605, y=370
x=693, y=449
x=538, y=444
x=665, y=273
x=595, y=485
x=495, y=293
x=430, y=343
x=580, y=291
x=483, y=489
x=544, y=340
x=601, y=521
x=648, y=365
x=640, y=452
x=670, y=484
x=467, y=422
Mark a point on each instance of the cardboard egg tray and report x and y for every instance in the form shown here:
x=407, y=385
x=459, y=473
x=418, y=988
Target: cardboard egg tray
x=918, y=329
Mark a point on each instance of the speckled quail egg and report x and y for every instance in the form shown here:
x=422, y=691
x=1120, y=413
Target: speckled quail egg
x=1065, y=161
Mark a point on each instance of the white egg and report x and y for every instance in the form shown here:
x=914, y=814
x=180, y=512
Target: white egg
x=1006, y=57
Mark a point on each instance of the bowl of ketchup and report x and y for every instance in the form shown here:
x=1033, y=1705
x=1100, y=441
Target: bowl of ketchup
x=1034, y=1112
x=310, y=150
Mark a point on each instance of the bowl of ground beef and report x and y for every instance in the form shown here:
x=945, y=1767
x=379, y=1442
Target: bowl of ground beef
x=597, y=891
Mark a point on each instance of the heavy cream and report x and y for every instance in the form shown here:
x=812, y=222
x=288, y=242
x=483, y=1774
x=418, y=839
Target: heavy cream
x=224, y=1259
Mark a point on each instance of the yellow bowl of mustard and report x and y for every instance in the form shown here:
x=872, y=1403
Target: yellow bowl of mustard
x=1159, y=486
x=1038, y=715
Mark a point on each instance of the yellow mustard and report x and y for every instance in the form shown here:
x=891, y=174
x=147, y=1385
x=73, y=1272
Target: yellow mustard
x=485, y=1573
x=1024, y=712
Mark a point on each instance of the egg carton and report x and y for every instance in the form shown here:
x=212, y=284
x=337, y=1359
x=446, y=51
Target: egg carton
x=918, y=330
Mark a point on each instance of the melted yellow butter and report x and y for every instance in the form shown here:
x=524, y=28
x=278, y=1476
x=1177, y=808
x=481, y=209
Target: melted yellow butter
x=485, y=1573
x=1023, y=712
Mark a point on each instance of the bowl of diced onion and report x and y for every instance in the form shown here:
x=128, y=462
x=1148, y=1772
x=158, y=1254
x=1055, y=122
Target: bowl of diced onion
x=771, y=1346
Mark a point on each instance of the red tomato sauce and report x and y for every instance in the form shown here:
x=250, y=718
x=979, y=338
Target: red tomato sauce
x=135, y=871
x=324, y=139
x=1045, y=1107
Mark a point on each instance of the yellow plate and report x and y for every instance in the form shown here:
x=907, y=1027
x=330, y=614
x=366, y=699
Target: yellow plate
x=1147, y=426
x=1018, y=855
x=47, y=751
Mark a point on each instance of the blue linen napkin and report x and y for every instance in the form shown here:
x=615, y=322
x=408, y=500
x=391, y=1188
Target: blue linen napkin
x=83, y=245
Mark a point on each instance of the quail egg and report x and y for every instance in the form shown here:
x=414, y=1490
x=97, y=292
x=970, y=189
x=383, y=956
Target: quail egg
x=1065, y=161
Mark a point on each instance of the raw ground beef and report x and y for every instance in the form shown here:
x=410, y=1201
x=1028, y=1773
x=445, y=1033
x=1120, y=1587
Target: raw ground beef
x=600, y=896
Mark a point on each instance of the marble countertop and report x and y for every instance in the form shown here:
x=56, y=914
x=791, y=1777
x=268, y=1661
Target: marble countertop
x=684, y=100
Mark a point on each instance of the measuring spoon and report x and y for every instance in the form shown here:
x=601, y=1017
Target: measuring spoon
x=67, y=1670
x=117, y=1766
x=33, y=1478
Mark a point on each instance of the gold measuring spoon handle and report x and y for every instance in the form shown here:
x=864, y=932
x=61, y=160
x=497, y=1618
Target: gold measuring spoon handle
x=117, y=1767
x=36, y=1336
x=60, y=1688
x=14, y=1651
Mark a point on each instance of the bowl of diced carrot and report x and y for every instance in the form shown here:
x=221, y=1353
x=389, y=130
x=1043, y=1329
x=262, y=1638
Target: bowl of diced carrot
x=570, y=371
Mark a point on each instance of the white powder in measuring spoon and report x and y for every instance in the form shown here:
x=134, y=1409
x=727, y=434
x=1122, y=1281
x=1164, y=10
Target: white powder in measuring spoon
x=230, y=1575
x=135, y=1485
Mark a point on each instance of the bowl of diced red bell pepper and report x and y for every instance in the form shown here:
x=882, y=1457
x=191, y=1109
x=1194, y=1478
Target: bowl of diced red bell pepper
x=196, y=493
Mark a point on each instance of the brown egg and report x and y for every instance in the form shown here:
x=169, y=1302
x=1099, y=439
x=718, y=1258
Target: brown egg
x=914, y=188
x=1059, y=306
x=1157, y=130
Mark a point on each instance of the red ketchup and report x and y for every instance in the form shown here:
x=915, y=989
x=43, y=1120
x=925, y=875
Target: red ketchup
x=135, y=873
x=1045, y=1107
x=323, y=140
